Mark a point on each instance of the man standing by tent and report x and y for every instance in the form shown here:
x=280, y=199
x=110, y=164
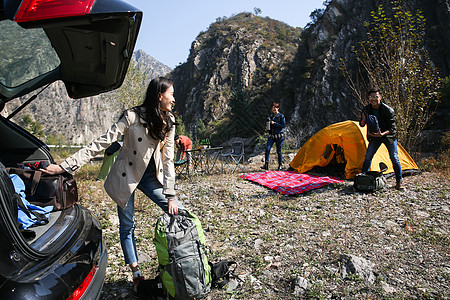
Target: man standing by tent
x=381, y=129
x=275, y=126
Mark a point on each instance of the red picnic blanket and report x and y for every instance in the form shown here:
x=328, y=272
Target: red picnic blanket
x=290, y=183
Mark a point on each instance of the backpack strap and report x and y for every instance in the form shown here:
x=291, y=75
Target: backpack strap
x=41, y=218
x=35, y=181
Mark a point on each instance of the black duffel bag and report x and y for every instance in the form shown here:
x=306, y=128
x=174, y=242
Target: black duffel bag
x=371, y=181
x=42, y=189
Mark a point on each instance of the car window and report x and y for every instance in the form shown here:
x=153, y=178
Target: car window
x=24, y=54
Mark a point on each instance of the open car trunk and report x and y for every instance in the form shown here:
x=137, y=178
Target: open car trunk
x=71, y=239
x=19, y=148
x=87, y=45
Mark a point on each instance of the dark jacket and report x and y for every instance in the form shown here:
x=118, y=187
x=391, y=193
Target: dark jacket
x=386, y=121
x=279, y=123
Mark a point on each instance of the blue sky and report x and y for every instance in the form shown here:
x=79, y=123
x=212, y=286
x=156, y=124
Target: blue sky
x=169, y=27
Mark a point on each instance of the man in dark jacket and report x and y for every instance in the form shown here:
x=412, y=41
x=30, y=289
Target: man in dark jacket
x=275, y=127
x=386, y=134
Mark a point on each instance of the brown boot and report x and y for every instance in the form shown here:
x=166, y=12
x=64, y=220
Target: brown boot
x=398, y=186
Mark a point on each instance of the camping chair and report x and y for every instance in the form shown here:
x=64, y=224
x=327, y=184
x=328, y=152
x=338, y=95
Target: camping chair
x=182, y=168
x=234, y=158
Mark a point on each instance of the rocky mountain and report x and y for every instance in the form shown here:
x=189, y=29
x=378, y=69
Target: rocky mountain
x=231, y=71
x=150, y=66
x=240, y=65
x=79, y=121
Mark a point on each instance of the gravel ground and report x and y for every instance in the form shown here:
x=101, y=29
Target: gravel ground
x=292, y=247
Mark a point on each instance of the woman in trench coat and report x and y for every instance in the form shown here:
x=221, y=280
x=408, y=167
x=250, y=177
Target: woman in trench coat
x=145, y=161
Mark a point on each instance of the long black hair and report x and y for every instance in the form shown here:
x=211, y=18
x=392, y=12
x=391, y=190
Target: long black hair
x=159, y=122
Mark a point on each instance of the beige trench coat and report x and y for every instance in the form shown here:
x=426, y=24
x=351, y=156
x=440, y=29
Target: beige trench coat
x=133, y=158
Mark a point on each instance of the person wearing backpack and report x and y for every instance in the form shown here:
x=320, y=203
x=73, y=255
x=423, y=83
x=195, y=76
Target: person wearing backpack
x=145, y=161
x=380, y=119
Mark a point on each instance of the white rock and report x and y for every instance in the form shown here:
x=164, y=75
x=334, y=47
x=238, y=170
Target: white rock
x=387, y=288
x=232, y=285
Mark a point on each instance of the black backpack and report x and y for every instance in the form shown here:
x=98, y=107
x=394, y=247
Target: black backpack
x=371, y=181
x=221, y=272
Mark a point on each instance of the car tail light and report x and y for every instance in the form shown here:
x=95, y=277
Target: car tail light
x=82, y=288
x=33, y=10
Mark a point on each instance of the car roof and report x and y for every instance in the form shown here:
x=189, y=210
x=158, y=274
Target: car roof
x=90, y=52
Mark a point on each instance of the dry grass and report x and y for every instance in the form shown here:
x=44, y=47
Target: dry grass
x=276, y=238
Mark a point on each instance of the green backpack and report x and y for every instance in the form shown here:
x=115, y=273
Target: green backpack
x=181, y=248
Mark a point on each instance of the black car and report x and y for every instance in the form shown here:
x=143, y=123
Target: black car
x=87, y=44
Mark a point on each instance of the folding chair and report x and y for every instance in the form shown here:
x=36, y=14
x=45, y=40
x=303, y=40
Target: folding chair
x=235, y=158
x=181, y=168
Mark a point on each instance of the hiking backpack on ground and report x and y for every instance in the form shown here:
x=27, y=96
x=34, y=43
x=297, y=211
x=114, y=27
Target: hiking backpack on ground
x=181, y=248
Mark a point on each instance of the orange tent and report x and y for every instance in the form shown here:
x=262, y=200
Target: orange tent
x=349, y=140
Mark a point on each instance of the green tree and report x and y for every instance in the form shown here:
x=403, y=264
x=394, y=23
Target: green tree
x=58, y=140
x=180, y=129
x=26, y=121
x=201, y=130
x=133, y=89
x=393, y=58
x=51, y=139
x=34, y=127
x=238, y=103
x=316, y=15
x=257, y=11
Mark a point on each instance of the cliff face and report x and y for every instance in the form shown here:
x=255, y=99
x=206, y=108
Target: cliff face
x=244, y=54
x=78, y=120
x=149, y=66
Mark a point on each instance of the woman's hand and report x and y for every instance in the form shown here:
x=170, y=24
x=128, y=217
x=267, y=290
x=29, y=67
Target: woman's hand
x=173, y=206
x=53, y=169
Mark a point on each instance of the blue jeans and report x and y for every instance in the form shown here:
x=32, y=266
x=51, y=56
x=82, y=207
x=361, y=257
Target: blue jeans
x=393, y=154
x=279, y=143
x=152, y=188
